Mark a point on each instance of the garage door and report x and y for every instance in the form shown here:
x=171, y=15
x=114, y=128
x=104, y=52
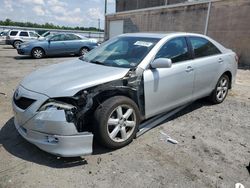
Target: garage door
x=115, y=28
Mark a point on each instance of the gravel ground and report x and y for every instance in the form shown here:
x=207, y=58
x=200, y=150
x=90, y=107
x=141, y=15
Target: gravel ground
x=213, y=148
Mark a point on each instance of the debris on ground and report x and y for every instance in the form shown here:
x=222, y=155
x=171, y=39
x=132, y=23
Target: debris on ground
x=167, y=138
x=248, y=168
x=243, y=144
x=1, y=93
x=99, y=159
x=239, y=185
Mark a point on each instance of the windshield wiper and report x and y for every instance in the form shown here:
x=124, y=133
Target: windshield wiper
x=96, y=62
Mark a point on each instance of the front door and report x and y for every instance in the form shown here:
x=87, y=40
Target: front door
x=57, y=45
x=168, y=88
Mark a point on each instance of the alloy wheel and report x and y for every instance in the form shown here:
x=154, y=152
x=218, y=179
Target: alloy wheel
x=121, y=123
x=83, y=51
x=222, y=89
x=38, y=53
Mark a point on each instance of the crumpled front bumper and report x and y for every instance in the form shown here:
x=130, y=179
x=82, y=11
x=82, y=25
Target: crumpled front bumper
x=65, y=146
x=49, y=130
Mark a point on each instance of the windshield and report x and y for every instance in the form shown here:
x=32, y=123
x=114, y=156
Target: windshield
x=125, y=52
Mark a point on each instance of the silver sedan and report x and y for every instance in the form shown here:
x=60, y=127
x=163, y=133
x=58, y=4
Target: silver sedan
x=107, y=93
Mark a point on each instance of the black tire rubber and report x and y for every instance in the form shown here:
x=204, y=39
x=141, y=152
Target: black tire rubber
x=32, y=53
x=16, y=43
x=101, y=116
x=84, y=48
x=213, y=97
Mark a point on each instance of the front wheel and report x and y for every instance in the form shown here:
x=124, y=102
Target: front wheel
x=117, y=120
x=37, y=53
x=221, y=90
x=83, y=51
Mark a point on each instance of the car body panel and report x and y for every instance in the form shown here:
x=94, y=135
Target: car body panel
x=66, y=79
x=167, y=88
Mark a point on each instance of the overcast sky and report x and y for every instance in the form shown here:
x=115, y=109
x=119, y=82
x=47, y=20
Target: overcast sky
x=60, y=12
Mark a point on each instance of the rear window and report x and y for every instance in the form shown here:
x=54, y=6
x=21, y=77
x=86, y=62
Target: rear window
x=71, y=37
x=203, y=47
x=23, y=34
x=13, y=33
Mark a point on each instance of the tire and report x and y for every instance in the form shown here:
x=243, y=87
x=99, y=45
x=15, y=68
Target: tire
x=221, y=90
x=17, y=43
x=37, y=53
x=117, y=121
x=83, y=51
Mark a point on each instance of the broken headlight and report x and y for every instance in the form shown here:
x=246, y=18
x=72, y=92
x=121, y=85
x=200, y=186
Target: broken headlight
x=68, y=109
x=56, y=105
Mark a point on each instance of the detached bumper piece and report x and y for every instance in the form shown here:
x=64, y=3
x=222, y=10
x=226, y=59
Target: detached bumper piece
x=65, y=146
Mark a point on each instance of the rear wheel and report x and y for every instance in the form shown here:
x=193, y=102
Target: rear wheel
x=220, y=92
x=16, y=43
x=37, y=53
x=117, y=121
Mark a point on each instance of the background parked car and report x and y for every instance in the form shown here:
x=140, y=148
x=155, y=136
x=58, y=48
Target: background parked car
x=16, y=37
x=3, y=35
x=58, y=44
x=48, y=34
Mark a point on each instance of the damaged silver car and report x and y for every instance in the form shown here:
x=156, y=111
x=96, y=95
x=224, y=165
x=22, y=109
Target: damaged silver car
x=107, y=93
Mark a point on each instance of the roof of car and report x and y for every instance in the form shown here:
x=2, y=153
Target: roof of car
x=159, y=35
x=150, y=35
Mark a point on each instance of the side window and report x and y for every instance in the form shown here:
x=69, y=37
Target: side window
x=202, y=47
x=32, y=34
x=13, y=33
x=60, y=37
x=23, y=34
x=72, y=37
x=175, y=49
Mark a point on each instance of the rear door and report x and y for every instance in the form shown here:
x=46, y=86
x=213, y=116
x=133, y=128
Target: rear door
x=167, y=88
x=208, y=63
x=73, y=43
x=24, y=36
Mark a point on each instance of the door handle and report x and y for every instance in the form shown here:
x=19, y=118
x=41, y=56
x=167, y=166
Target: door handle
x=220, y=60
x=189, y=69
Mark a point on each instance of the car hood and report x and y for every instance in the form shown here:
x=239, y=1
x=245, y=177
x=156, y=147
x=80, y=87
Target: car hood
x=66, y=79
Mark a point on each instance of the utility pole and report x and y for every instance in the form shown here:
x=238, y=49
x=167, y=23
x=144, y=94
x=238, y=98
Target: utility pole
x=105, y=9
x=99, y=24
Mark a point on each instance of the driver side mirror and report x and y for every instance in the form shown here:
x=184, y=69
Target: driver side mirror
x=161, y=63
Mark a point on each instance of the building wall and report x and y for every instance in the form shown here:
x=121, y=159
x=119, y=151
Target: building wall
x=124, y=5
x=228, y=23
